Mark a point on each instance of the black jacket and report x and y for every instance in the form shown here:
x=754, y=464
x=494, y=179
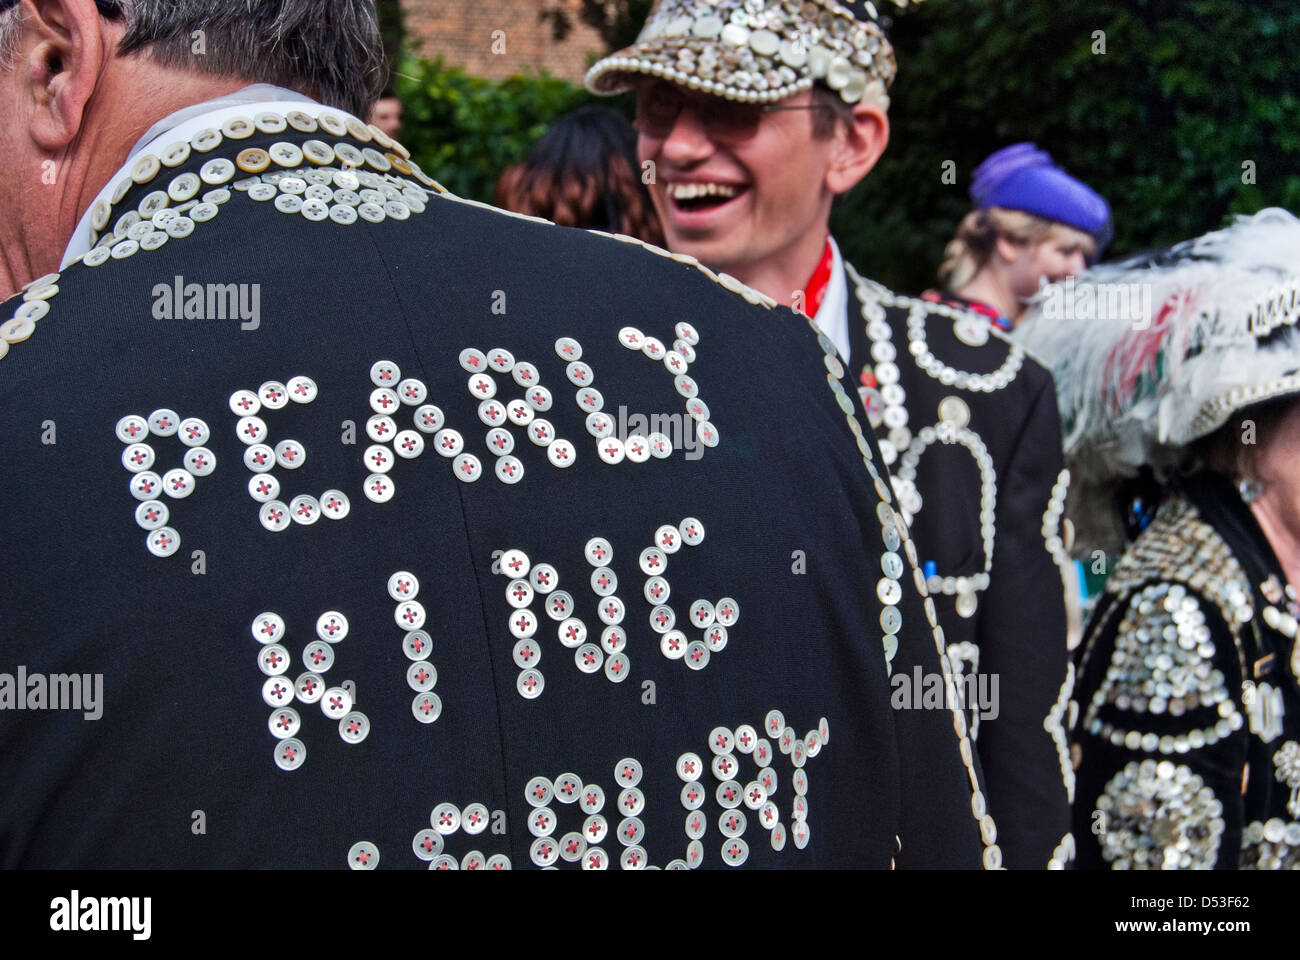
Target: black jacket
x=185, y=764
x=973, y=425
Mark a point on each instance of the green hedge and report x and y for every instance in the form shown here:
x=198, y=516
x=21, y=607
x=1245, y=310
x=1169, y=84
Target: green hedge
x=1161, y=123
x=463, y=130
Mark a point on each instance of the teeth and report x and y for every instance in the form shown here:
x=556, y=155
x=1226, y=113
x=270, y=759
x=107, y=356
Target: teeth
x=690, y=191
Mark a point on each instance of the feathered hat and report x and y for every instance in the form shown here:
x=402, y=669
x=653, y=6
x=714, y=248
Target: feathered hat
x=758, y=51
x=1160, y=350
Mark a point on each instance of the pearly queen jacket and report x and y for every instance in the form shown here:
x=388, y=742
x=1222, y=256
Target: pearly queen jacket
x=321, y=548
x=968, y=424
x=1188, y=737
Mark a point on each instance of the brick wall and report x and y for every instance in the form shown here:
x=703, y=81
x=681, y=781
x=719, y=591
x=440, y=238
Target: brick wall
x=462, y=31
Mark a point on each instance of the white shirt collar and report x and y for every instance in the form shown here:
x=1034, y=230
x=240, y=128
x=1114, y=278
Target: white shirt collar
x=833, y=315
x=184, y=124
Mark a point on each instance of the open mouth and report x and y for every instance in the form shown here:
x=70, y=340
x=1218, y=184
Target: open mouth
x=696, y=197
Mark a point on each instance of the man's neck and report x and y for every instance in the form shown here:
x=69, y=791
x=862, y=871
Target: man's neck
x=784, y=277
x=124, y=106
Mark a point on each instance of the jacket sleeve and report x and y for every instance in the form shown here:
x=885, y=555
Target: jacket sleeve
x=1022, y=740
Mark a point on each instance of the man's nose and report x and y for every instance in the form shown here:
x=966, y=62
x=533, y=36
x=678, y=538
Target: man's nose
x=1076, y=263
x=687, y=142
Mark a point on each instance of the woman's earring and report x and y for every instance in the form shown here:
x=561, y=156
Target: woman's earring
x=1250, y=489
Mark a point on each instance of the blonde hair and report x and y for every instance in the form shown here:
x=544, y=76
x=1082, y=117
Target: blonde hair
x=968, y=252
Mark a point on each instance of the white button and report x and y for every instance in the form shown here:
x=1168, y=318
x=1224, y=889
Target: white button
x=526, y=654
x=544, y=578
x=611, y=610
x=137, y=457
x=519, y=594
x=500, y=441
x=331, y=626
x=600, y=425
x=519, y=413
x=290, y=454
x=427, y=844
x=467, y=467
x=541, y=433
x=674, y=362
x=408, y=444
x=163, y=542
x=673, y=644
x=590, y=400
x=561, y=453
x=631, y=337
x=579, y=374
x=523, y=624
x=412, y=392
x=426, y=707
x=277, y=692
x=152, y=514
x=654, y=348
x=354, y=727
x=416, y=644
x=525, y=374
x=409, y=615
x=637, y=448
x=379, y=489
x=273, y=394
x=178, y=484
x=403, y=586
x=337, y=703
x=668, y=539
x=381, y=428
x=727, y=612
x=274, y=516
x=309, y=687
x=589, y=658
x=702, y=614
x=335, y=504
x=692, y=531
x=284, y=723
x=291, y=754
x=568, y=349
x=164, y=423
x=686, y=386
x=509, y=469
x=250, y=430
x=421, y=676
x=385, y=373
x=473, y=360
x=200, y=461
x=245, y=403
x=540, y=399
x=259, y=458
x=384, y=400
x=715, y=638
x=429, y=419
x=131, y=428
x=194, y=432
x=697, y=655
x=482, y=387
x=501, y=360
x=378, y=459
x=699, y=411
x=617, y=667
x=653, y=561
x=604, y=581
x=448, y=442
x=146, y=485
x=273, y=659
x=515, y=563
x=572, y=632
x=492, y=412
x=611, y=450
x=530, y=684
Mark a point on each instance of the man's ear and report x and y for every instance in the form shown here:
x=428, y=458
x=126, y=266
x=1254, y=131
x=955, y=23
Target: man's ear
x=859, y=144
x=63, y=66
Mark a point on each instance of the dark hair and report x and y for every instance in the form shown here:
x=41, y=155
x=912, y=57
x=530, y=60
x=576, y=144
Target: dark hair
x=583, y=173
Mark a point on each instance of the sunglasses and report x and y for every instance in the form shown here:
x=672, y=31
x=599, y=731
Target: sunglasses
x=658, y=106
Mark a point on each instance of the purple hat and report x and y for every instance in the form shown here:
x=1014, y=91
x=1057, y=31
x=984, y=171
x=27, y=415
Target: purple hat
x=1022, y=177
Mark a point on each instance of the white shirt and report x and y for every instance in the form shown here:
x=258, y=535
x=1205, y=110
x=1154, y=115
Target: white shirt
x=184, y=124
x=833, y=315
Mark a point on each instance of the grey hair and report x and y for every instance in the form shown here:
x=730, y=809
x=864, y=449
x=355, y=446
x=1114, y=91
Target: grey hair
x=327, y=49
x=10, y=24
